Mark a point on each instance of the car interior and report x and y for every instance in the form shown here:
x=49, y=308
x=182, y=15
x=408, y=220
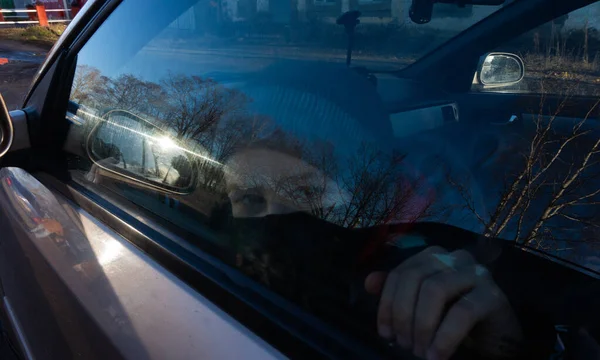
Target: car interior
x=132, y=233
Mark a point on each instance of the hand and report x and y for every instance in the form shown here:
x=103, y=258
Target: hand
x=432, y=302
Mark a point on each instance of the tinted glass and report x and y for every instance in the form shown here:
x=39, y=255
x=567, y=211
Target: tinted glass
x=240, y=124
x=561, y=56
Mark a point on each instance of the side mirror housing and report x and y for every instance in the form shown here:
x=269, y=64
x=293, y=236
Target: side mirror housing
x=499, y=70
x=6, y=128
x=135, y=150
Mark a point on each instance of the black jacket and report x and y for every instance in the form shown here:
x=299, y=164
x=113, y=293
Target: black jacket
x=322, y=267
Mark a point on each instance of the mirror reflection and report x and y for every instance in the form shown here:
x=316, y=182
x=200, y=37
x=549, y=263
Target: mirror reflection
x=501, y=69
x=135, y=147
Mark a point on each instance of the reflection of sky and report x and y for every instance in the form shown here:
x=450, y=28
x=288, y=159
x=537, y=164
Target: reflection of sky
x=150, y=64
x=127, y=30
x=590, y=13
x=127, y=34
x=124, y=45
x=135, y=24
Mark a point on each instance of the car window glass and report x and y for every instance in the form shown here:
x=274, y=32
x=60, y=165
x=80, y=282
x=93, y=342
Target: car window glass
x=561, y=56
x=260, y=146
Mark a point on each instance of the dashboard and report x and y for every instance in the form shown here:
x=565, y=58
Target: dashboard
x=414, y=107
x=414, y=121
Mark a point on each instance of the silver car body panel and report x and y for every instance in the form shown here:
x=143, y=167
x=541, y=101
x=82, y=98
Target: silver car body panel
x=144, y=311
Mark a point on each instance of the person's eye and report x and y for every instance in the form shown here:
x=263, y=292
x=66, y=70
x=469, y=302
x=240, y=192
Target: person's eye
x=246, y=197
x=247, y=203
x=252, y=199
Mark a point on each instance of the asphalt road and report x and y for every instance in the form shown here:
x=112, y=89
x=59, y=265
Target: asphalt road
x=16, y=75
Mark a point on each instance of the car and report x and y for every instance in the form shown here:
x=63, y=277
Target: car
x=355, y=179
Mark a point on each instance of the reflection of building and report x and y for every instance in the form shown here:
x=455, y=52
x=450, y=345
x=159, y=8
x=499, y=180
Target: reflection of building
x=50, y=4
x=308, y=9
x=206, y=15
x=373, y=11
x=13, y=4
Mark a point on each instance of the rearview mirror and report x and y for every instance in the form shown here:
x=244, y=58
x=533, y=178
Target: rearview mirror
x=500, y=69
x=135, y=149
x=421, y=11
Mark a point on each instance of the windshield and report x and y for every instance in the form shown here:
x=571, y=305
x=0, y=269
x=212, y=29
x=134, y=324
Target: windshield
x=269, y=136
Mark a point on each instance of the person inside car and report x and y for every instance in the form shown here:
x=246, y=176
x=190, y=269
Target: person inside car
x=435, y=287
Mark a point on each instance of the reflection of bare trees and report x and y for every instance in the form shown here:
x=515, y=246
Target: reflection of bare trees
x=191, y=106
x=236, y=132
x=128, y=92
x=378, y=191
x=554, y=188
x=573, y=186
x=87, y=82
x=364, y=188
x=227, y=137
x=195, y=105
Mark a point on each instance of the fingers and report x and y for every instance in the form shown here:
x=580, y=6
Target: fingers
x=395, y=311
x=384, y=313
x=415, y=295
x=406, y=300
x=406, y=317
x=472, y=308
x=418, y=307
x=436, y=292
x=375, y=281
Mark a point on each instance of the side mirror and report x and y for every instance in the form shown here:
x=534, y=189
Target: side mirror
x=500, y=69
x=136, y=150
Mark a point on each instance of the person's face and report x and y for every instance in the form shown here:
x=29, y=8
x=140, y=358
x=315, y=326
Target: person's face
x=264, y=182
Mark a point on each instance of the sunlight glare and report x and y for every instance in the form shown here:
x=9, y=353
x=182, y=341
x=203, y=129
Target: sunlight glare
x=166, y=142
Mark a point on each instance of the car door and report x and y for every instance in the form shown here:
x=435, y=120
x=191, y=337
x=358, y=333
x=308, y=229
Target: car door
x=58, y=298
x=131, y=261
x=517, y=29
x=554, y=107
x=105, y=254
x=551, y=113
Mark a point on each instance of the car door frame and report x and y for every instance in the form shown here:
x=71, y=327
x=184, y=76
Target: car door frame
x=278, y=322
x=48, y=130
x=463, y=53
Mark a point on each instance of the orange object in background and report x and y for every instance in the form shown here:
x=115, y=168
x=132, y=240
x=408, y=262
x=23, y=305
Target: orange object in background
x=41, y=14
x=53, y=226
x=3, y=61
